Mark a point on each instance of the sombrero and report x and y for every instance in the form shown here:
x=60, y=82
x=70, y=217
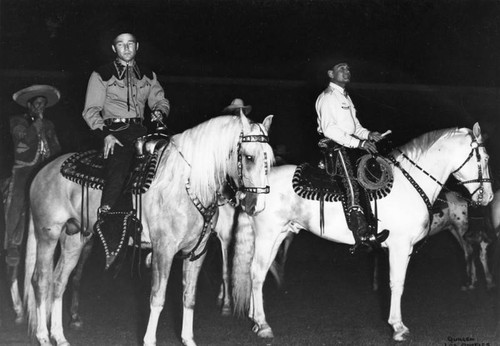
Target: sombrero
x=235, y=105
x=49, y=92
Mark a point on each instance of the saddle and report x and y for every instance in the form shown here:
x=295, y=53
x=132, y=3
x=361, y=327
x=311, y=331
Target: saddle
x=86, y=169
x=324, y=183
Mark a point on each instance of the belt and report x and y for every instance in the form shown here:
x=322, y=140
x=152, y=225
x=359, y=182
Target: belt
x=110, y=121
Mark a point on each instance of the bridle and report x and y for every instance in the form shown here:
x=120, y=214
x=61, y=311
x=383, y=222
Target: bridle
x=475, y=145
x=262, y=138
x=475, y=150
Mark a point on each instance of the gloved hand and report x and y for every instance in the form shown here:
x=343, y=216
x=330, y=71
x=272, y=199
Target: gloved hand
x=369, y=146
x=157, y=116
x=375, y=136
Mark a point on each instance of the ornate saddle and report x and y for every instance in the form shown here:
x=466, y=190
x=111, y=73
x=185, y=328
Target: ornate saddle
x=323, y=183
x=86, y=168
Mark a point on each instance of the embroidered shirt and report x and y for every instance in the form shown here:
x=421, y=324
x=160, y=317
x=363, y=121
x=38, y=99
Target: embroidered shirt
x=337, y=117
x=118, y=91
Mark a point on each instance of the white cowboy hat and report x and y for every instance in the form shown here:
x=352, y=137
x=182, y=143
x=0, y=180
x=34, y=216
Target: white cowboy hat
x=235, y=105
x=49, y=92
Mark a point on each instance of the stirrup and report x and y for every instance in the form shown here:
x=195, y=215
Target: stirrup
x=103, y=210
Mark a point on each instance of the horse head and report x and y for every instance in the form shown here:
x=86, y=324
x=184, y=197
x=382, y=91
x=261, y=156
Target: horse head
x=255, y=157
x=473, y=171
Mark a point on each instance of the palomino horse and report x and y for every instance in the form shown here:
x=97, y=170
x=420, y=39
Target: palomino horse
x=420, y=168
x=193, y=168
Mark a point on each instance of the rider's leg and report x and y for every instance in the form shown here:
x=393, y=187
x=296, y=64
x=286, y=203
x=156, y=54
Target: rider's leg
x=356, y=218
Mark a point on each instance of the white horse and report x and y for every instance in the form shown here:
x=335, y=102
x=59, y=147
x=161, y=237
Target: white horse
x=455, y=218
x=176, y=215
x=420, y=169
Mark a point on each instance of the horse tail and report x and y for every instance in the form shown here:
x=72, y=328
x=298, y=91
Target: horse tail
x=242, y=260
x=29, y=292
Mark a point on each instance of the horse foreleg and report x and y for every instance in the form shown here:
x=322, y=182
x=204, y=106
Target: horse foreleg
x=483, y=256
x=223, y=298
x=190, y=273
x=399, y=256
x=161, y=264
x=470, y=267
x=17, y=302
x=266, y=247
x=71, y=248
x=76, y=322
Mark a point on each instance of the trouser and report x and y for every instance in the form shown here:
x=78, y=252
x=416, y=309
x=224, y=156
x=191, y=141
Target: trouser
x=4, y=184
x=346, y=160
x=117, y=165
x=16, y=206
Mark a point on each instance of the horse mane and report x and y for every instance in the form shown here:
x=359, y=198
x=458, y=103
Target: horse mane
x=202, y=155
x=420, y=145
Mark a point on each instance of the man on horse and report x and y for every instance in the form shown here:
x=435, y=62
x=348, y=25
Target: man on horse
x=35, y=141
x=337, y=121
x=117, y=94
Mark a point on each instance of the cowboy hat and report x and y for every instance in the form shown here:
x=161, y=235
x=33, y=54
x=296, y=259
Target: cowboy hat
x=49, y=92
x=237, y=104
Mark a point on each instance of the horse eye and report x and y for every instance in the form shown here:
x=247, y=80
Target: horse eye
x=249, y=158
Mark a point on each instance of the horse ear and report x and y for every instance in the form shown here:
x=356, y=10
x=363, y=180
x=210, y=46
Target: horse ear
x=245, y=123
x=476, y=130
x=267, y=122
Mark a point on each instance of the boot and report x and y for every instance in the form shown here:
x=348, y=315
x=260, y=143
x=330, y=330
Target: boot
x=363, y=237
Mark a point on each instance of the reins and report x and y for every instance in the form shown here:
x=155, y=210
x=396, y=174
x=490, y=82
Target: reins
x=475, y=150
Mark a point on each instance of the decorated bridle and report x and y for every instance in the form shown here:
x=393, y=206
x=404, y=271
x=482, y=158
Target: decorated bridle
x=263, y=138
x=475, y=145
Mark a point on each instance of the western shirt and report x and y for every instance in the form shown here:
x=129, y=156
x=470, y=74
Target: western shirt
x=337, y=117
x=118, y=91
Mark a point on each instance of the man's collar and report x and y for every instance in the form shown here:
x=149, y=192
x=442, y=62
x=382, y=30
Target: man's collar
x=337, y=87
x=121, y=69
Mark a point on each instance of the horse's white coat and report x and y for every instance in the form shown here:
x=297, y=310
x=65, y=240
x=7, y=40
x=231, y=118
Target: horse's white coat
x=403, y=212
x=205, y=155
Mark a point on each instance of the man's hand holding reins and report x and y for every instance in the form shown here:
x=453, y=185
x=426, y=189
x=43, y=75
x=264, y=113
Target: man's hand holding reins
x=368, y=145
x=109, y=145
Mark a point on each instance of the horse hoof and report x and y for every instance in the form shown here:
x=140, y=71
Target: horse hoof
x=45, y=342
x=401, y=335
x=401, y=332
x=188, y=342
x=76, y=324
x=225, y=311
x=19, y=320
x=264, y=332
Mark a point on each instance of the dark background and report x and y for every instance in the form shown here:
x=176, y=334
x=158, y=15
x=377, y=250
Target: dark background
x=416, y=66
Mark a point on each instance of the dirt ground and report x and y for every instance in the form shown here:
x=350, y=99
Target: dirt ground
x=327, y=300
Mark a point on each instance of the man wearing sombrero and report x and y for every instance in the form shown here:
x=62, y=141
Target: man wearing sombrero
x=237, y=107
x=35, y=141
